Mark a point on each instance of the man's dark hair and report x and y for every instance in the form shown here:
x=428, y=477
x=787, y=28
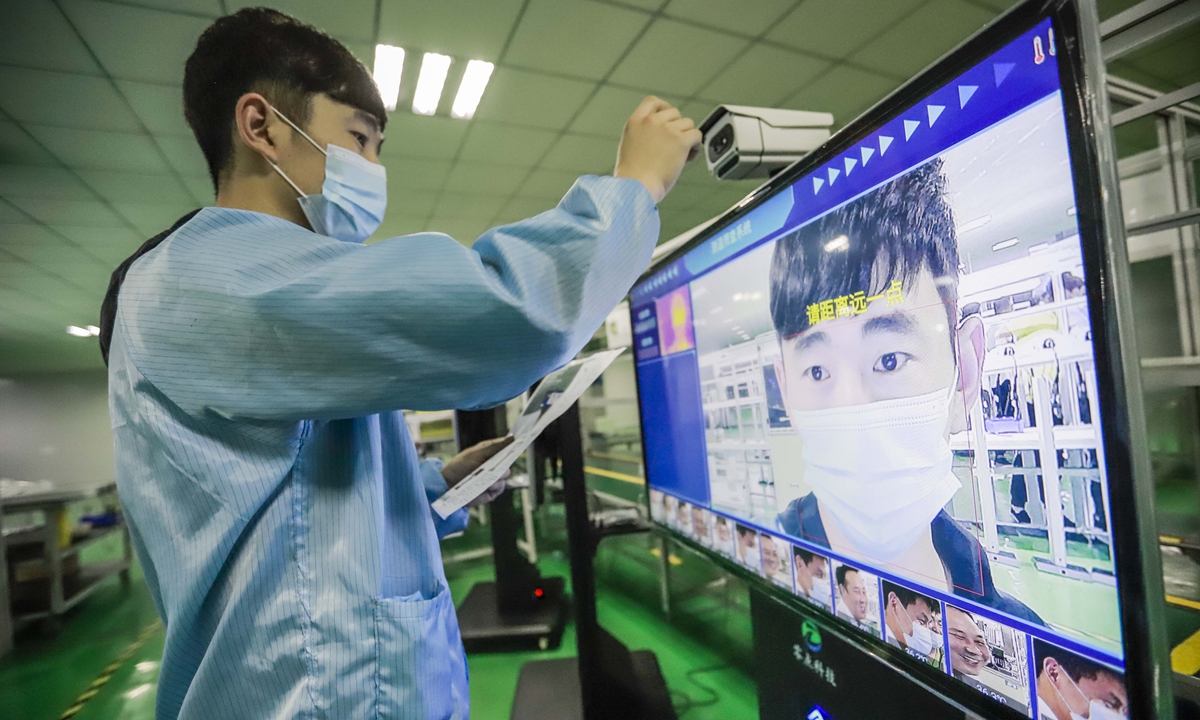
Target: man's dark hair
x=893, y=231
x=806, y=556
x=842, y=572
x=743, y=530
x=264, y=51
x=908, y=597
x=1079, y=668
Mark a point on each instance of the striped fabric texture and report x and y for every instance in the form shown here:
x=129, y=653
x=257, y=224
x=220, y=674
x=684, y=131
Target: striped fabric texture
x=274, y=495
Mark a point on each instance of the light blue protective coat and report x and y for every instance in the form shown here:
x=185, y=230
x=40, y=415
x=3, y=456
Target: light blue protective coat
x=275, y=498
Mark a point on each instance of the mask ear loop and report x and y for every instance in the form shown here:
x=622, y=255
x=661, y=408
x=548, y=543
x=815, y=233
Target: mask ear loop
x=295, y=127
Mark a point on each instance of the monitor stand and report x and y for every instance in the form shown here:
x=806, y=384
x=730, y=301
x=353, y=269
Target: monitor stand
x=606, y=681
x=521, y=610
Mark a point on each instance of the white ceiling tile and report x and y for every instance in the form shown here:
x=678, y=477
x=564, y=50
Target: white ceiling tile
x=483, y=178
x=573, y=37
x=94, y=238
x=698, y=110
x=750, y=18
x=464, y=230
x=608, y=110
x=41, y=254
x=62, y=100
x=10, y=215
x=763, y=77
x=837, y=28
x=69, y=212
x=465, y=29
x=150, y=219
x=159, y=107
x=417, y=174
x=31, y=28
x=211, y=8
x=17, y=148
x=548, y=184
x=506, y=144
x=135, y=43
x=582, y=154
x=96, y=150
x=844, y=91
x=30, y=235
x=350, y=20
x=57, y=286
x=396, y=224
x=137, y=187
x=184, y=155
x=533, y=99
x=410, y=135
x=469, y=205
x=675, y=58
x=410, y=202
x=520, y=208
x=646, y=4
x=922, y=37
x=19, y=181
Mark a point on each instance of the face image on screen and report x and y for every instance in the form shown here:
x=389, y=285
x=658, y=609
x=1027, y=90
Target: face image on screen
x=749, y=554
x=702, y=526
x=724, y=537
x=683, y=518
x=913, y=623
x=814, y=579
x=1070, y=686
x=989, y=656
x=671, y=511
x=658, y=508
x=856, y=597
x=776, y=561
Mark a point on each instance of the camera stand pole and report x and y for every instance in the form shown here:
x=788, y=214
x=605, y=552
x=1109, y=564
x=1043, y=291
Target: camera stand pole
x=606, y=681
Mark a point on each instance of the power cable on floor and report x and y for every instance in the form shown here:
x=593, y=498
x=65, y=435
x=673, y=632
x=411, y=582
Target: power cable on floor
x=107, y=673
x=688, y=703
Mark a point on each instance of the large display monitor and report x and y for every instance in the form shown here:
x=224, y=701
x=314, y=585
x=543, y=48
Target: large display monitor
x=891, y=384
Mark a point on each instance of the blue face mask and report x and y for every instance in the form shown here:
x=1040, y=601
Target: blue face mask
x=353, y=197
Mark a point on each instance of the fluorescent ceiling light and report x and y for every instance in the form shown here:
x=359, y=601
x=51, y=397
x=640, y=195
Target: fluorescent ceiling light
x=1071, y=210
x=975, y=224
x=81, y=332
x=389, y=66
x=430, y=82
x=841, y=242
x=470, y=90
x=93, y=330
x=1005, y=244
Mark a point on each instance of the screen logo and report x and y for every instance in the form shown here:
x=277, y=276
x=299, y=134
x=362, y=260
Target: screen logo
x=817, y=713
x=811, y=632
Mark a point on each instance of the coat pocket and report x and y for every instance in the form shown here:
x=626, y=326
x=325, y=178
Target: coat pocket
x=421, y=668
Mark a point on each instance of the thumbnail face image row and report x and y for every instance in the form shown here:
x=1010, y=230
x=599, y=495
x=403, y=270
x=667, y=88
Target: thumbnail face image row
x=979, y=651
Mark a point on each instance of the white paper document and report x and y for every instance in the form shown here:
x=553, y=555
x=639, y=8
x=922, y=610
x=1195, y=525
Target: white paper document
x=553, y=395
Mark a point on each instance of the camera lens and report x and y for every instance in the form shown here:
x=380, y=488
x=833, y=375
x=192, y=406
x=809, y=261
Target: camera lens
x=720, y=143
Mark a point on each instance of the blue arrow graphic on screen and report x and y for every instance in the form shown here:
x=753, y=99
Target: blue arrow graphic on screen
x=833, y=175
x=866, y=154
x=850, y=163
x=964, y=94
x=910, y=127
x=818, y=183
x=885, y=142
x=1002, y=70
x=935, y=112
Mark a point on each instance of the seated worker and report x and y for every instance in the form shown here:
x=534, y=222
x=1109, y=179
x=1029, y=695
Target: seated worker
x=876, y=373
x=812, y=577
x=855, y=605
x=914, y=623
x=1070, y=687
x=259, y=355
x=969, y=651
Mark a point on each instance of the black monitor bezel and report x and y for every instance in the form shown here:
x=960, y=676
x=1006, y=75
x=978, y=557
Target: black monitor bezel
x=1136, y=560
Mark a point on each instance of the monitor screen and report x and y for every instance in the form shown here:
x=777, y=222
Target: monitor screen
x=875, y=388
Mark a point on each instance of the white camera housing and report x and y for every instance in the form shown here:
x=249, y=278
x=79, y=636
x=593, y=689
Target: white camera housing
x=749, y=142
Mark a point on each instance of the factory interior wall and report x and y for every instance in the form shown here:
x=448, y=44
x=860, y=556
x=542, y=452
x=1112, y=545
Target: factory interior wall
x=55, y=427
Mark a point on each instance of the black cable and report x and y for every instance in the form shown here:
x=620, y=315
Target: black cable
x=689, y=703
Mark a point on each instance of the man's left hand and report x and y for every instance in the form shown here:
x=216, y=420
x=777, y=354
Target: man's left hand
x=467, y=461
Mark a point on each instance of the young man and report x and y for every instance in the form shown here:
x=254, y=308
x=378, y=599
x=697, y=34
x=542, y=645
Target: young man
x=748, y=553
x=257, y=365
x=913, y=622
x=812, y=577
x=877, y=371
x=1070, y=687
x=855, y=605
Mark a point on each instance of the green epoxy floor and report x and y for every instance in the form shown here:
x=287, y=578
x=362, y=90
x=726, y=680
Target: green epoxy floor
x=43, y=677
